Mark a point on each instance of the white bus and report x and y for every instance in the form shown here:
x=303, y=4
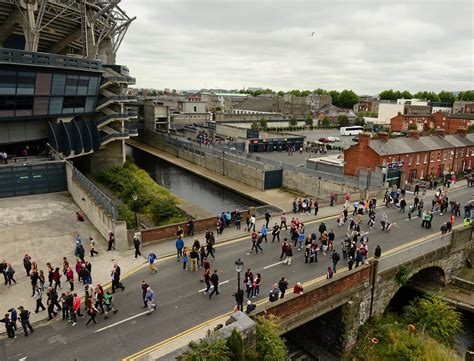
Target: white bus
x=353, y=130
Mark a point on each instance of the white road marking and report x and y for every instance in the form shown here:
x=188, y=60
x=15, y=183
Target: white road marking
x=273, y=265
x=408, y=219
x=220, y=284
x=119, y=322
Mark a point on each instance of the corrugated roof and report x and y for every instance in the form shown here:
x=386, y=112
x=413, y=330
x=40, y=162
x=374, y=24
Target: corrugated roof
x=424, y=144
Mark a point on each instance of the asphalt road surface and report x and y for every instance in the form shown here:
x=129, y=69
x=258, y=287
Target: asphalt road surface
x=181, y=302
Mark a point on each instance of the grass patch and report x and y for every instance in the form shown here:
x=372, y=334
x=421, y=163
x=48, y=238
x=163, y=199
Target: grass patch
x=155, y=202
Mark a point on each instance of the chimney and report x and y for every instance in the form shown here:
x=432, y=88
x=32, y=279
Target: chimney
x=364, y=139
x=383, y=135
x=440, y=132
x=462, y=131
x=415, y=134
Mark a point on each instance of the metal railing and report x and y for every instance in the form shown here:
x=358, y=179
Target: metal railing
x=122, y=78
x=115, y=135
x=104, y=120
x=100, y=197
x=272, y=209
x=203, y=149
x=15, y=160
x=114, y=98
x=12, y=56
x=420, y=249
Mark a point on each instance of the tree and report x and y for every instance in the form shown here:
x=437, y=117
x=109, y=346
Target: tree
x=293, y=122
x=360, y=120
x=467, y=95
x=319, y=91
x=326, y=122
x=270, y=346
x=309, y=120
x=296, y=92
x=406, y=94
x=412, y=127
x=343, y=120
x=432, y=96
x=347, y=99
x=334, y=95
x=281, y=93
x=263, y=124
x=387, y=95
x=255, y=125
x=436, y=317
x=235, y=343
x=305, y=93
x=470, y=129
x=446, y=97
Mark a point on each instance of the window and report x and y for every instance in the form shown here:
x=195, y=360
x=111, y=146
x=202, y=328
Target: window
x=410, y=159
x=55, y=105
x=432, y=157
x=421, y=174
x=425, y=158
x=195, y=109
x=445, y=155
x=59, y=82
x=418, y=158
x=462, y=152
x=73, y=104
x=16, y=102
x=439, y=156
x=25, y=83
x=71, y=85
x=7, y=82
x=452, y=154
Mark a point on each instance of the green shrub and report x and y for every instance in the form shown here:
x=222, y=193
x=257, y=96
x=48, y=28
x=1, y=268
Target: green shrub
x=403, y=275
x=154, y=201
x=206, y=350
x=435, y=317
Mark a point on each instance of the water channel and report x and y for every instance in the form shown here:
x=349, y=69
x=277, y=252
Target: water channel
x=192, y=188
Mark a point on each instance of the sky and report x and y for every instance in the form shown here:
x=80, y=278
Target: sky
x=367, y=45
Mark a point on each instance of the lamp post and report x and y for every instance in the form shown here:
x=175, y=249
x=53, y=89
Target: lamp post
x=239, y=266
x=135, y=198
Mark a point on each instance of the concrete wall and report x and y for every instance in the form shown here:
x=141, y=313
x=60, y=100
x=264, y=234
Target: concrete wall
x=247, y=175
x=238, y=118
x=101, y=220
x=231, y=131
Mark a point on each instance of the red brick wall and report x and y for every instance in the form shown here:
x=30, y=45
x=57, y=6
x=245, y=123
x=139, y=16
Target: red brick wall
x=297, y=303
x=167, y=232
x=469, y=108
x=357, y=157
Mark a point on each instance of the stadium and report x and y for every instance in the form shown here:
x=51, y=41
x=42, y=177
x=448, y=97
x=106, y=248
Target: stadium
x=59, y=81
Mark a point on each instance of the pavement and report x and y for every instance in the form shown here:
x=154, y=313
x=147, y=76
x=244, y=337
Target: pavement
x=183, y=311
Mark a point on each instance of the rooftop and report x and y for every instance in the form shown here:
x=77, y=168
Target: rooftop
x=424, y=144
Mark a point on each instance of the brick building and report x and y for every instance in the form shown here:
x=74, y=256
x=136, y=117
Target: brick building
x=424, y=122
x=414, y=157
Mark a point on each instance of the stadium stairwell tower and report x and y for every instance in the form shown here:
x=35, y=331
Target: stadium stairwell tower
x=59, y=81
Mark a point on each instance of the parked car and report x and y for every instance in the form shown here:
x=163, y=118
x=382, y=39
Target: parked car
x=355, y=139
x=328, y=139
x=334, y=139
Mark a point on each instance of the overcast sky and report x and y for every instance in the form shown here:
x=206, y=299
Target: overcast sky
x=366, y=45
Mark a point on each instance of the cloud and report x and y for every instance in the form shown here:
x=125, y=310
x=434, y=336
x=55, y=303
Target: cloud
x=366, y=45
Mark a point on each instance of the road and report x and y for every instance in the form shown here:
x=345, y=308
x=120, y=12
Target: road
x=181, y=303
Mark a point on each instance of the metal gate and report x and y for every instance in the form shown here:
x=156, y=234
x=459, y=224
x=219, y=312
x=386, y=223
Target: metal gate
x=22, y=180
x=273, y=179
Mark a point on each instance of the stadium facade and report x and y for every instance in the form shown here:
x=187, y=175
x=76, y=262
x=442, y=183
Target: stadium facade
x=59, y=81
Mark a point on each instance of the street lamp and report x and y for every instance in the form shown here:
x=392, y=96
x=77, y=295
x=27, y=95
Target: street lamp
x=239, y=266
x=135, y=198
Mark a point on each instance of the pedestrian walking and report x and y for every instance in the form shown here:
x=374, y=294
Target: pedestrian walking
x=335, y=258
x=215, y=284
x=276, y=233
x=27, y=264
x=150, y=299
x=284, y=246
x=239, y=299
x=24, y=317
x=282, y=286
x=109, y=304
x=190, y=227
x=8, y=326
x=179, y=247
x=92, y=312
x=116, y=278
x=267, y=218
x=110, y=241
x=283, y=221
x=288, y=255
x=256, y=285
x=152, y=259
x=92, y=245
x=136, y=244
x=38, y=295
x=10, y=273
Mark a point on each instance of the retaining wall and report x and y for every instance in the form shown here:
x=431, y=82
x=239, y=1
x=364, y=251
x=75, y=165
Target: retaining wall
x=101, y=219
